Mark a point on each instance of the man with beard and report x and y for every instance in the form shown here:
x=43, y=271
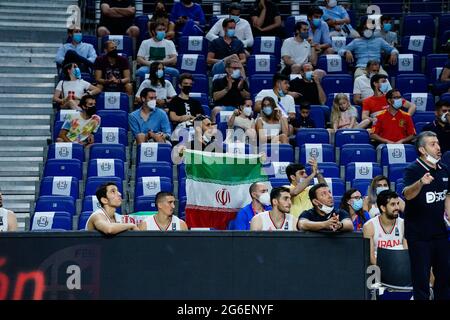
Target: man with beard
x=387, y=229
x=278, y=219
x=427, y=201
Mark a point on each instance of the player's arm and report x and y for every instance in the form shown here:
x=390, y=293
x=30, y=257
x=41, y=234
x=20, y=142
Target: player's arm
x=368, y=233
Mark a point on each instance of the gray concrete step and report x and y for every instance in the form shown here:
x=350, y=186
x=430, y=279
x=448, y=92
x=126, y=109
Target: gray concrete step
x=44, y=5
x=38, y=78
x=11, y=108
x=67, y=2
x=23, y=120
x=24, y=12
x=18, y=185
x=17, y=189
x=19, y=18
x=31, y=33
x=25, y=87
x=20, y=171
x=8, y=67
x=22, y=207
x=24, y=141
x=29, y=47
x=17, y=151
x=25, y=98
x=28, y=58
x=32, y=24
x=24, y=130
x=10, y=198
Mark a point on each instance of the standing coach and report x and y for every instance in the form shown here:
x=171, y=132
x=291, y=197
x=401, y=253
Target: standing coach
x=427, y=197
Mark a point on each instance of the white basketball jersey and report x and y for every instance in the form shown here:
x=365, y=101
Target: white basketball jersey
x=152, y=225
x=387, y=239
x=100, y=211
x=3, y=219
x=268, y=225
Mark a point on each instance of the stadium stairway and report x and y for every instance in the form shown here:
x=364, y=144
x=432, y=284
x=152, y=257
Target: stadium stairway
x=30, y=33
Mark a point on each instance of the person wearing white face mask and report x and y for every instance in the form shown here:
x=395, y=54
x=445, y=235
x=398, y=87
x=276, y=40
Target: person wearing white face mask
x=427, y=199
x=149, y=123
x=352, y=202
x=378, y=184
x=441, y=125
x=324, y=216
x=243, y=124
x=260, y=202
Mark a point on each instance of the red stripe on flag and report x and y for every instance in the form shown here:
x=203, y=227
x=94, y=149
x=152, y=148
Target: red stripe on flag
x=206, y=217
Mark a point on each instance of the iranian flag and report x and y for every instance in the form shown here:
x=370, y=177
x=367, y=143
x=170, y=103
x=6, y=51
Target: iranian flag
x=217, y=186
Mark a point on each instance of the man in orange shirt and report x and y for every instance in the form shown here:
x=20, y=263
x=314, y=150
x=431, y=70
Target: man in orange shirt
x=372, y=106
x=393, y=125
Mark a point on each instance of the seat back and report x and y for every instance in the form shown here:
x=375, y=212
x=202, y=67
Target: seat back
x=109, y=135
x=191, y=63
x=332, y=63
x=65, y=150
x=395, y=267
x=112, y=101
x=261, y=63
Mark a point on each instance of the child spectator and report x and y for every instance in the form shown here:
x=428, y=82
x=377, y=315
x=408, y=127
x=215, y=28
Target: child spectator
x=304, y=120
x=344, y=115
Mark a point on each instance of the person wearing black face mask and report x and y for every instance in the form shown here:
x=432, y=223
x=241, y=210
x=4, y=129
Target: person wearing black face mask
x=81, y=129
x=182, y=107
x=112, y=71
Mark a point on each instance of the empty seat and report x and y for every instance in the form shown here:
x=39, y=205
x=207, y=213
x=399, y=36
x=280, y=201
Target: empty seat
x=124, y=44
x=332, y=63
x=56, y=203
x=424, y=101
x=200, y=85
x=201, y=97
x=261, y=63
x=59, y=186
x=267, y=45
x=145, y=203
x=154, y=169
x=396, y=170
x=312, y=135
x=153, y=152
x=260, y=82
x=150, y=186
x=112, y=101
x=107, y=151
x=63, y=167
x=418, y=24
x=397, y=153
x=411, y=83
x=114, y=118
x=193, y=45
x=279, y=182
x=51, y=220
x=327, y=169
x=317, y=114
x=424, y=116
x=407, y=63
x=276, y=169
x=357, y=153
x=238, y=148
x=362, y=170
x=337, y=83
x=435, y=60
x=65, y=150
x=345, y=136
x=92, y=184
x=362, y=185
x=106, y=168
x=111, y=135
x=320, y=152
x=83, y=219
x=191, y=63
x=278, y=152
x=419, y=44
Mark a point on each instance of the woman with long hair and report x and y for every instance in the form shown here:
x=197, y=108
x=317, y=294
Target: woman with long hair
x=344, y=115
x=271, y=127
x=378, y=184
x=352, y=202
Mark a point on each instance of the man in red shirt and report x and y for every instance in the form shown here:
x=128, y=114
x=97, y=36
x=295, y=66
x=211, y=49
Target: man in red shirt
x=372, y=106
x=393, y=125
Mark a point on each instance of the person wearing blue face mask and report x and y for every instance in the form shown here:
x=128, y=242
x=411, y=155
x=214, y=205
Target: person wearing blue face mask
x=308, y=89
x=225, y=48
x=352, y=202
x=76, y=51
x=319, y=31
x=378, y=184
x=386, y=32
x=271, y=126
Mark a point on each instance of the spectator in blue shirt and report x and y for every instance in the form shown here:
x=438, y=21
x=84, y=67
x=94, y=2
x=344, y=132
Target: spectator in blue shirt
x=149, y=123
x=260, y=203
x=338, y=20
x=319, y=31
x=187, y=10
x=76, y=51
x=367, y=48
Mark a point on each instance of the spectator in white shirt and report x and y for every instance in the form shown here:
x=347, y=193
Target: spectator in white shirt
x=361, y=87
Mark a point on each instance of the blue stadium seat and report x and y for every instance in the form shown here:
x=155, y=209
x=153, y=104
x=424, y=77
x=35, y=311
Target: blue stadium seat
x=65, y=114
x=397, y=155
x=267, y=45
x=61, y=221
x=142, y=23
x=154, y=169
x=106, y=168
x=422, y=103
x=55, y=203
x=200, y=97
x=114, y=118
x=419, y=126
x=83, y=219
x=92, y=184
x=407, y=63
x=317, y=114
x=416, y=46
x=91, y=39
x=418, y=24
x=357, y=153
x=112, y=101
x=435, y=60
x=330, y=98
x=328, y=154
x=111, y=135
x=414, y=82
x=124, y=44
x=337, y=186
x=260, y=82
x=181, y=171
x=56, y=129
x=261, y=64
x=145, y=203
x=327, y=169
x=152, y=152
x=444, y=25
x=344, y=136
x=206, y=110
x=446, y=158
x=426, y=116
x=58, y=186
x=193, y=45
x=399, y=186
x=151, y=188
x=337, y=83
x=396, y=170
x=279, y=182
x=200, y=84
x=191, y=63
x=62, y=150
x=332, y=64
x=289, y=24
x=107, y=151
x=63, y=167
x=278, y=152
x=275, y=169
x=312, y=135
x=363, y=172
x=362, y=185
x=90, y=203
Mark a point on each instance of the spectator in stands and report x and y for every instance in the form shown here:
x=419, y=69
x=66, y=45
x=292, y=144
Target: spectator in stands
x=362, y=88
x=386, y=230
x=260, y=196
x=226, y=48
x=271, y=126
x=231, y=90
x=319, y=31
x=69, y=92
x=266, y=19
x=305, y=120
x=104, y=219
x=443, y=84
x=279, y=218
x=160, y=15
x=374, y=105
x=117, y=17
x=164, y=219
x=205, y=134
x=352, y=202
x=338, y=20
x=323, y=216
x=344, y=115
x=112, y=71
x=8, y=220
x=157, y=49
x=307, y=89
x=441, y=126
x=81, y=129
x=368, y=47
x=301, y=184
x=297, y=49
x=76, y=51
x=243, y=30
x=149, y=123
x=378, y=184
x=393, y=125
x=186, y=10
x=164, y=89
x=386, y=32
x=243, y=123
x=279, y=92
